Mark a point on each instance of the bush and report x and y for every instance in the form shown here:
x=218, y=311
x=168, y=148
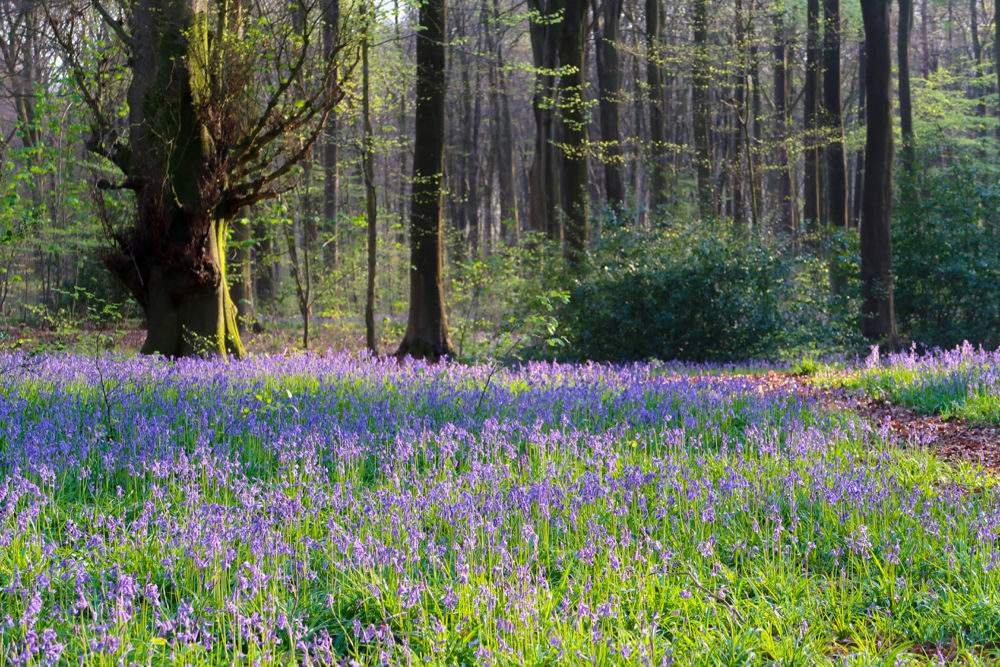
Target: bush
x=947, y=257
x=700, y=294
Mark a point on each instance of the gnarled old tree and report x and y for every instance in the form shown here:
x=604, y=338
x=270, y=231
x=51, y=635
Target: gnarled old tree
x=219, y=115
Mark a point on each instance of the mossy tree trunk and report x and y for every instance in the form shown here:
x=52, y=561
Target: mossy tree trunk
x=205, y=137
x=173, y=259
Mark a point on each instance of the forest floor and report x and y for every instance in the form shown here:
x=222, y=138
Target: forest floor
x=952, y=439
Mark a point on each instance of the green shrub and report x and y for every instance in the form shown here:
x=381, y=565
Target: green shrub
x=946, y=248
x=701, y=293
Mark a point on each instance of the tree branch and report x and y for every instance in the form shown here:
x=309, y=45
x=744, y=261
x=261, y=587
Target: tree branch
x=114, y=24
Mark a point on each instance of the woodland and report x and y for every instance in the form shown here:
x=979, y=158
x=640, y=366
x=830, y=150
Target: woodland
x=499, y=332
x=609, y=180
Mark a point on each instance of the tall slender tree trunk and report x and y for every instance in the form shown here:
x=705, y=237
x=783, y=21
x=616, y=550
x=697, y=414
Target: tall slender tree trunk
x=977, y=55
x=426, y=334
x=925, y=19
x=503, y=137
x=833, y=122
x=544, y=186
x=903, y=62
x=878, y=317
x=368, y=171
x=607, y=19
x=331, y=173
x=241, y=290
x=701, y=112
x=263, y=266
x=859, y=158
x=575, y=191
x=811, y=180
x=784, y=191
x=654, y=80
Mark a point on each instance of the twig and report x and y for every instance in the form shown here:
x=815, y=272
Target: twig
x=718, y=598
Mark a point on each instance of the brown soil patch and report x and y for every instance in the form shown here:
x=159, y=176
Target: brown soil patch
x=951, y=439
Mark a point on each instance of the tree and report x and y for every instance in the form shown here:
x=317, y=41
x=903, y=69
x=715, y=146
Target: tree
x=544, y=29
x=700, y=111
x=575, y=194
x=607, y=19
x=833, y=122
x=207, y=134
x=368, y=174
x=878, y=318
x=811, y=184
x=426, y=334
x=784, y=190
x=331, y=175
x=654, y=80
x=903, y=58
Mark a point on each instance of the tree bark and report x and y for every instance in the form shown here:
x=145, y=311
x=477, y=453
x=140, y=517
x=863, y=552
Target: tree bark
x=833, y=121
x=701, y=113
x=426, y=334
x=544, y=186
x=371, y=209
x=811, y=182
x=878, y=318
x=173, y=260
x=503, y=139
x=903, y=62
x=608, y=16
x=859, y=158
x=331, y=173
x=784, y=190
x=654, y=80
x=575, y=193
x=241, y=290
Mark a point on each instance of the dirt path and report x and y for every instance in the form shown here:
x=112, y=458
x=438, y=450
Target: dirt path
x=951, y=439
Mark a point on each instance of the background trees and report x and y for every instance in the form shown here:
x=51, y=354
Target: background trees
x=587, y=133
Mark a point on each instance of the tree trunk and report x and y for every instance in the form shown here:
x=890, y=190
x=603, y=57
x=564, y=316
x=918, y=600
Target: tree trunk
x=833, y=122
x=977, y=55
x=426, y=334
x=903, y=58
x=859, y=158
x=701, y=113
x=784, y=190
x=811, y=190
x=503, y=140
x=331, y=173
x=575, y=193
x=263, y=266
x=241, y=290
x=654, y=80
x=878, y=318
x=609, y=78
x=371, y=210
x=173, y=260
x=544, y=186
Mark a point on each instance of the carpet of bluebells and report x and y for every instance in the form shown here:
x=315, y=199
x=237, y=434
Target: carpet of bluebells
x=962, y=383
x=316, y=510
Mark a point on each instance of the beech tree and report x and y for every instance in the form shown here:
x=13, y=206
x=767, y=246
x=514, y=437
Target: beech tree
x=426, y=334
x=878, y=317
x=219, y=115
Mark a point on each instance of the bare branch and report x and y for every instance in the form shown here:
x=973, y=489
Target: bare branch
x=114, y=24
